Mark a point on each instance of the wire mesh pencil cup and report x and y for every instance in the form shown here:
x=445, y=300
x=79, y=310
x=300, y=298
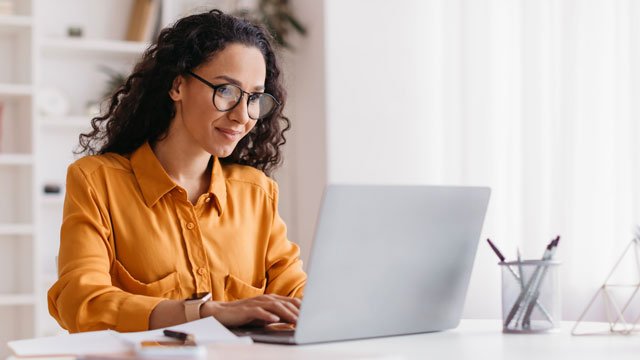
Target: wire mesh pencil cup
x=530, y=296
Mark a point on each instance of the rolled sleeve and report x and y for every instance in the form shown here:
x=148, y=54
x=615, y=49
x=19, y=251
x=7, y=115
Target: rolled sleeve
x=135, y=312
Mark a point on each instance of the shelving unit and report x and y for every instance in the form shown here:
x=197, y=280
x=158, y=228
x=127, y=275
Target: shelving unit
x=100, y=47
x=71, y=122
x=8, y=91
x=17, y=299
x=70, y=67
x=13, y=22
x=36, y=149
x=18, y=291
x=54, y=200
x=16, y=229
x=16, y=159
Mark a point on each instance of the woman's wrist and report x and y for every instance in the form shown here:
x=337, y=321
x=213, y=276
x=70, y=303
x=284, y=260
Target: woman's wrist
x=210, y=308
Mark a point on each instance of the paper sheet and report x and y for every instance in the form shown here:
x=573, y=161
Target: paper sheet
x=94, y=342
x=206, y=331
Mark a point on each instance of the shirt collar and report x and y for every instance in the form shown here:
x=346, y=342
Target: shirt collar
x=155, y=182
x=218, y=186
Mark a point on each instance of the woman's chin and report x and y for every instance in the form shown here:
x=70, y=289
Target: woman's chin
x=221, y=152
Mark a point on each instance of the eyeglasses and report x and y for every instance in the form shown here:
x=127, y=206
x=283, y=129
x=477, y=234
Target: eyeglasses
x=228, y=96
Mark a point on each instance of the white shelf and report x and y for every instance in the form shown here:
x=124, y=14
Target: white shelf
x=16, y=299
x=16, y=159
x=99, y=47
x=53, y=199
x=14, y=23
x=15, y=90
x=16, y=229
x=74, y=122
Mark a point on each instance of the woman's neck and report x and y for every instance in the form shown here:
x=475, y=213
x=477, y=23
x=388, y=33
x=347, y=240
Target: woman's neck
x=187, y=165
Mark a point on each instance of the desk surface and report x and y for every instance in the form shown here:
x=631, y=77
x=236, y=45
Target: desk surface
x=473, y=339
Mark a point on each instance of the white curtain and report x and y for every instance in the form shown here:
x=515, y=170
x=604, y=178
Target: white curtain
x=540, y=100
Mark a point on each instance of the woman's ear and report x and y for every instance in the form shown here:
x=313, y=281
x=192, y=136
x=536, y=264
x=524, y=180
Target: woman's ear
x=175, y=91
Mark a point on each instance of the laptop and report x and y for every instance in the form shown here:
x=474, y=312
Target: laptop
x=386, y=260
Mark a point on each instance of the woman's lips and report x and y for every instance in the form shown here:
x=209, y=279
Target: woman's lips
x=228, y=133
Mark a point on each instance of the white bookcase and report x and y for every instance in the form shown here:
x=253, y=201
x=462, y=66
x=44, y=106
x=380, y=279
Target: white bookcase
x=18, y=249
x=35, y=149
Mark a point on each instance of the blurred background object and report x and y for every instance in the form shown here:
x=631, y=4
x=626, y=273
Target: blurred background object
x=6, y=7
x=276, y=16
x=74, y=31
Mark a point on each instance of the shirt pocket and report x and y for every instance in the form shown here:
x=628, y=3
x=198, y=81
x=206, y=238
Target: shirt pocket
x=236, y=289
x=167, y=287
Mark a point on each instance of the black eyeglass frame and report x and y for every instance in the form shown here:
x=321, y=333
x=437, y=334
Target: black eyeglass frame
x=215, y=90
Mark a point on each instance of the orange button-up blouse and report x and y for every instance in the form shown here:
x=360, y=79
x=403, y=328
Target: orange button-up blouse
x=130, y=238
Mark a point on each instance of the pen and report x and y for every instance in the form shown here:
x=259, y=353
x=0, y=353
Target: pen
x=536, y=290
x=523, y=305
x=178, y=335
x=495, y=249
x=534, y=283
x=521, y=274
x=520, y=270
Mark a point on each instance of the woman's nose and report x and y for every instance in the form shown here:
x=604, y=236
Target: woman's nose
x=240, y=113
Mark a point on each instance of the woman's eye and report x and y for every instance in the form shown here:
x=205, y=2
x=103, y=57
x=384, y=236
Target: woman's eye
x=254, y=98
x=226, y=91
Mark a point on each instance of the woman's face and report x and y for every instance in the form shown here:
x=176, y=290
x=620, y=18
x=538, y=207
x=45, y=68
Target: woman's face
x=215, y=131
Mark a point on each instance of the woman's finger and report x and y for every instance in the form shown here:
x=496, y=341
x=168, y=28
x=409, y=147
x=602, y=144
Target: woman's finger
x=294, y=309
x=261, y=314
x=294, y=301
x=283, y=312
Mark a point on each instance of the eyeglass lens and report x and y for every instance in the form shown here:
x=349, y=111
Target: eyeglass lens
x=259, y=105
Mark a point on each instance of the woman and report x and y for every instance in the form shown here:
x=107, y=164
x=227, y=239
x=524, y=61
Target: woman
x=176, y=204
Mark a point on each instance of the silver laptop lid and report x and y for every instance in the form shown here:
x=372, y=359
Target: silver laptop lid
x=390, y=260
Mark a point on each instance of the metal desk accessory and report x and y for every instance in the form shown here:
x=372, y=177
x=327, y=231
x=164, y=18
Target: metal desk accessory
x=616, y=315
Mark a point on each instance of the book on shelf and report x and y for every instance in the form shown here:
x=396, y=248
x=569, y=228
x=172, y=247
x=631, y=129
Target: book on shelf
x=152, y=29
x=144, y=20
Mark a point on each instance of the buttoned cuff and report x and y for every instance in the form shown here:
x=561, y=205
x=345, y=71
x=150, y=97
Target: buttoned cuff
x=135, y=312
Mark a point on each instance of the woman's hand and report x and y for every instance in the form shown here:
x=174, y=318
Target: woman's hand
x=259, y=310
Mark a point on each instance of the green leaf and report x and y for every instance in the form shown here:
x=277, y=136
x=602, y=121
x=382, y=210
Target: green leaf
x=296, y=25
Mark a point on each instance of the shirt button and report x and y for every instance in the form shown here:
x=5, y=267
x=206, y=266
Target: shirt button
x=207, y=199
x=190, y=226
x=202, y=271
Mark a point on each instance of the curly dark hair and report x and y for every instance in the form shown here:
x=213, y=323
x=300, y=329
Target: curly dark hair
x=141, y=110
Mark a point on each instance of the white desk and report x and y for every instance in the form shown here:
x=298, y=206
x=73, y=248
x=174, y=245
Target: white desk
x=473, y=339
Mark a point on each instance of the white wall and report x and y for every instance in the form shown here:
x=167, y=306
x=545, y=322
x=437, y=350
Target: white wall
x=375, y=112
x=385, y=62
x=303, y=176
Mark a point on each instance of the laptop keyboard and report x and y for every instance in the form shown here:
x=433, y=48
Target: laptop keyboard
x=282, y=330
